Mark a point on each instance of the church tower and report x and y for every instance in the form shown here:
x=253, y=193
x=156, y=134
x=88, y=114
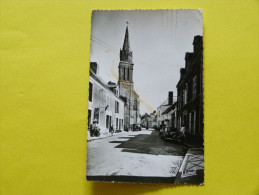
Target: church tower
x=126, y=84
x=126, y=64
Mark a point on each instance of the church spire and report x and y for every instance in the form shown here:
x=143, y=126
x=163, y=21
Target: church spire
x=125, y=52
x=126, y=44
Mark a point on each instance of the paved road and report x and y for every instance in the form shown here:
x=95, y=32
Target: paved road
x=142, y=154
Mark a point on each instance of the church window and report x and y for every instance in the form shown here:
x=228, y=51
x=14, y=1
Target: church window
x=128, y=75
x=135, y=105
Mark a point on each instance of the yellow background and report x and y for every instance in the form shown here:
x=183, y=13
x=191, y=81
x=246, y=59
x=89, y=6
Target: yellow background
x=44, y=88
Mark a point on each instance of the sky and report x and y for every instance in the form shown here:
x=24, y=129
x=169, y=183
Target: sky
x=159, y=40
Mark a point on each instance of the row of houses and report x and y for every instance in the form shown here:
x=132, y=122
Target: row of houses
x=105, y=106
x=187, y=110
x=149, y=120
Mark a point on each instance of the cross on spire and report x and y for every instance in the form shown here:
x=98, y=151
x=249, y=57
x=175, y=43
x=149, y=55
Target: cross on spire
x=127, y=23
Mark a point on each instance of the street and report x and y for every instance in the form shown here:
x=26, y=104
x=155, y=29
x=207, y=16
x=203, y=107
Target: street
x=132, y=155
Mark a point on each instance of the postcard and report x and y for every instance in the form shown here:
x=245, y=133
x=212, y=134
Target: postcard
x=145, y=104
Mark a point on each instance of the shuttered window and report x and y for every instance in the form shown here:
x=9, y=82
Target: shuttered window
x=116, y=107
x=90, y=92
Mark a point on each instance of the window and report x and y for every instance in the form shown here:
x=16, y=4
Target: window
x=184, y=97
x=107, y=121
x=117, y=107
x=89, y=117
x=194, y=87
x=193, y=121
x=128, y=75
x=90, y=92
x=179, y=100
x=186, y=91
x=135, y=105
x=190, y=122
x=116, y=123
x=185, y=121
x=124, y=73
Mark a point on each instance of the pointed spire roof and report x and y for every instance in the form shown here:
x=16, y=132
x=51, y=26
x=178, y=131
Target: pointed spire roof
x=126, y=44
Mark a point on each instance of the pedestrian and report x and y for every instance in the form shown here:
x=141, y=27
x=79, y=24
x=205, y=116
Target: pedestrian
x=112, y=129
x=91, y=128
x=94, y=130
x=182, y=132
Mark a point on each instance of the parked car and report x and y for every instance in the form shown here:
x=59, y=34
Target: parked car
x=136, y=127
x=168, y=133
x=161, y=132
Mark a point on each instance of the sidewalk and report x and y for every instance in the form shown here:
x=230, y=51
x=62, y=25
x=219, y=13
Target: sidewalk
x=109, y=134
x=102, y=136
x=192, y=168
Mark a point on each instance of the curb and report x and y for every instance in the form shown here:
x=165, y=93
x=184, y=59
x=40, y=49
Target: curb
x=97, y=138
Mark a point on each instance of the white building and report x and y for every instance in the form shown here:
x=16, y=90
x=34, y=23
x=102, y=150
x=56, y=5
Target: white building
x=149, y=121
x=170, y=116
x=166, y=112
x=104, y=103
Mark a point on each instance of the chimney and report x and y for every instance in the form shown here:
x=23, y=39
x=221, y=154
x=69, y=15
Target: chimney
x=170, y=98
x=94, y=67
x=188, y=59
x=197, y=43
x=182, y=71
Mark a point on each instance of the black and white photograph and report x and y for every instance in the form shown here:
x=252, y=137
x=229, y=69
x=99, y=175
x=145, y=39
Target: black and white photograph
x=145, y=104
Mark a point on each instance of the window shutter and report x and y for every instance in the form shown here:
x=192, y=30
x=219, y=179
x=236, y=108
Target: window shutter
x=190, y=122
x=194, y=122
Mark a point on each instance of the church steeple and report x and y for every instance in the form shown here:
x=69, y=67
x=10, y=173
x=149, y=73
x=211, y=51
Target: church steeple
x=125, y=52
x=126, y=44
x=126, y=84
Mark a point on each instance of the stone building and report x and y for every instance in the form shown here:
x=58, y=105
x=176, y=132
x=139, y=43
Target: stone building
x=162, y=116
x=104, y=103
x=170, y=116
x=126, y=85
x=149, y=120
x=190, y=94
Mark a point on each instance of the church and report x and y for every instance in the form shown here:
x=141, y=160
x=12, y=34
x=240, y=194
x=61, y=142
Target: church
x=126, y=85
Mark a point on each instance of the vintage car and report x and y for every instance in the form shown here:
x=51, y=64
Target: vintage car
x=168, y=133
x=136, y=127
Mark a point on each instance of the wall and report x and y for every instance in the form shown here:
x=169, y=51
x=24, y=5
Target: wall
x=99, y=100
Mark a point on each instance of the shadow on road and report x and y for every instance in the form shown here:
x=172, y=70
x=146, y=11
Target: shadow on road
x=150, y=144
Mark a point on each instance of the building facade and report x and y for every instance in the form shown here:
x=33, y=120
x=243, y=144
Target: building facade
x=162, y=116
x=104, y=104
x=190, y=94
x=126, y=85
x=170, y=116
x=149, y=120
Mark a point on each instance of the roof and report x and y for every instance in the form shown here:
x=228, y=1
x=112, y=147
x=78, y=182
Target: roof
x=188, y=55
x=102, y=83
x=170, y=108
x=135, y=94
